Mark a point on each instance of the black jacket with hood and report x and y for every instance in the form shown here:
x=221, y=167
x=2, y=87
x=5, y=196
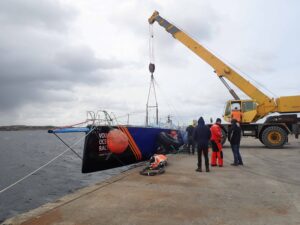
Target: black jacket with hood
x=202, y=134
x=234, y=133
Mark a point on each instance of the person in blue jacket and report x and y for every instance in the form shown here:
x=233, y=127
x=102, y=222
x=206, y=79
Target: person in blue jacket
x=202, y=136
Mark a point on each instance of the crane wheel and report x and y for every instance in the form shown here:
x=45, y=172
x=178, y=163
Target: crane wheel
x=167, y=140
x=274, y=137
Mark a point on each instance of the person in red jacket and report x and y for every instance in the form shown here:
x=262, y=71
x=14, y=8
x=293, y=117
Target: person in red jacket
x=216, y=139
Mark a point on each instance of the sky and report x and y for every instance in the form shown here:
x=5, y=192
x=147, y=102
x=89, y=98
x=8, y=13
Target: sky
x=60, y=59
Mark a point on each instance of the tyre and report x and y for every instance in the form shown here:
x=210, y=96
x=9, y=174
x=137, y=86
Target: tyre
x=166, y=140
x=274, y=137
x=152, y=172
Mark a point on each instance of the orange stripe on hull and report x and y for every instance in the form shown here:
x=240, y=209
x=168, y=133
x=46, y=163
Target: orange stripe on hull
x=131, y=142
x=135, y=148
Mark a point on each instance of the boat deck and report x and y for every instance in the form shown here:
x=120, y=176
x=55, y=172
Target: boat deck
x=264, y=191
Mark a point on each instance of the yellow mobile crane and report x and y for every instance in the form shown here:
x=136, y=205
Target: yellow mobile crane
x=274, y=131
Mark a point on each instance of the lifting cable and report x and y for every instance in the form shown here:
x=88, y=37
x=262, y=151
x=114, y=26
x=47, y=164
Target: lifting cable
x=46, y=164
x=153, y=81
x=151, y=69
x=151, y=45
x=169, y=102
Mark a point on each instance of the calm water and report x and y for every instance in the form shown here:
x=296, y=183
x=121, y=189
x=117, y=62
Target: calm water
x=21, y=152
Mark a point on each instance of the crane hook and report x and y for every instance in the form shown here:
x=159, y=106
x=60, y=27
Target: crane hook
x=152, y=67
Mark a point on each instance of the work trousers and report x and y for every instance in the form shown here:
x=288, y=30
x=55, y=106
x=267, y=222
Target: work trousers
x=205, y=154
x=217, y=154
x=236, y=154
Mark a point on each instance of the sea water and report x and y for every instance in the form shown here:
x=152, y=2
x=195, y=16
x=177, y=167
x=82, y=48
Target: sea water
x=22, y=152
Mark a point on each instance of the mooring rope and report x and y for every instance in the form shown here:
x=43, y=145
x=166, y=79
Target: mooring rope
x=46, y=164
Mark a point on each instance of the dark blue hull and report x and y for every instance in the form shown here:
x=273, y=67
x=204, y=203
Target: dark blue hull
x=143, y=143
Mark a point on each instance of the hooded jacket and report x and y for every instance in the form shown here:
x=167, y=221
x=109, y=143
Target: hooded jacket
x=234, y=133
x=202, y=134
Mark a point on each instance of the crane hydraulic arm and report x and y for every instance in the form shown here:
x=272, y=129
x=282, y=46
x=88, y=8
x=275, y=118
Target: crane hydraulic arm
x=265, y=104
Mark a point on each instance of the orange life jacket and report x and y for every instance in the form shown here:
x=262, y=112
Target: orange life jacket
x=157, y=160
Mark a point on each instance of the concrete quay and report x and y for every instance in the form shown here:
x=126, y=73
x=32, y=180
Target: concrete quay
x=266, y=190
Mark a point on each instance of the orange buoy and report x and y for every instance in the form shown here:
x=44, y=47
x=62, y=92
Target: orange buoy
x=117, y=141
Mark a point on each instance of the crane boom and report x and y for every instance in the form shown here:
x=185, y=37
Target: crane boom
x=273, y=132
x=265, y=103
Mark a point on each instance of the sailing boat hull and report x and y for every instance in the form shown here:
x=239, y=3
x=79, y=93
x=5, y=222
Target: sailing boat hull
x=143, y=142
x=103, y=151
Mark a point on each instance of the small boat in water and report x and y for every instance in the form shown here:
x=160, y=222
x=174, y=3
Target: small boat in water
x=110, y=146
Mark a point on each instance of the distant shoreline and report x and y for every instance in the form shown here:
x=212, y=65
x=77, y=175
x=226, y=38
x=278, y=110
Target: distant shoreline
x=24, y=127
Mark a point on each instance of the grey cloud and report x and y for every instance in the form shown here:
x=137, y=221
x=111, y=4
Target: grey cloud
x=201, y=22
x=43, y=65
x=49, y=14
x=258, y=62
x=83, y=59
x=78, y=60
x=37, y=65
x=15, y=95
x=29, y=79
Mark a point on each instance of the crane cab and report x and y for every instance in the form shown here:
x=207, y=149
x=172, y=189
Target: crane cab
x=248, y=109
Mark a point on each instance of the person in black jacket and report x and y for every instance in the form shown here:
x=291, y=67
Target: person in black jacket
x=234, y=137
x=202, y=136
x=190, y=131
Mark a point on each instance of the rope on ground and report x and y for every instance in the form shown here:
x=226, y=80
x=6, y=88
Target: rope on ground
x=43, y=166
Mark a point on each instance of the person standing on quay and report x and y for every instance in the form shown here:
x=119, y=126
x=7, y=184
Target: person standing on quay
x=237, y=114
x=190, y=131
x=234, y=137
x=201, y=137
x=216, y=144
